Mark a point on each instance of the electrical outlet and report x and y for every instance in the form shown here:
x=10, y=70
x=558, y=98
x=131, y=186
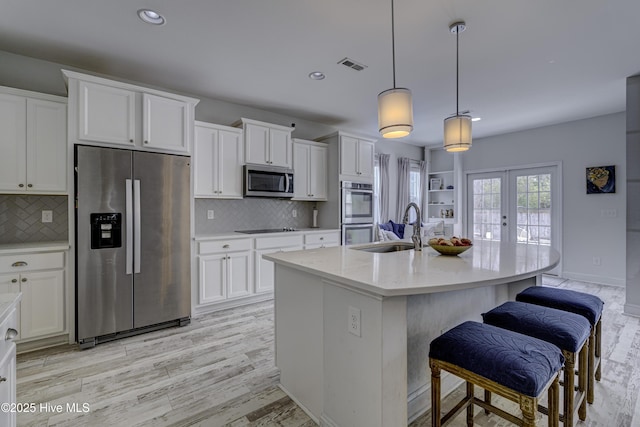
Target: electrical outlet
x=354, y=321
x=210, y=214
x=47, y=216
x=596, y=260
x=294, y=213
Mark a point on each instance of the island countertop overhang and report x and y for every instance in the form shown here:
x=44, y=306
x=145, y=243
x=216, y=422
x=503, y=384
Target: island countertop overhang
x=422, y=272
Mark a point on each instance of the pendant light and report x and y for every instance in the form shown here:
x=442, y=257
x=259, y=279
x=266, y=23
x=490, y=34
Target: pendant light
x=395, y=106
x=457, y=128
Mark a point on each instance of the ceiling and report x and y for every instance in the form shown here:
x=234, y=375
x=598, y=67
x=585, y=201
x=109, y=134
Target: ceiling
x=523, y=63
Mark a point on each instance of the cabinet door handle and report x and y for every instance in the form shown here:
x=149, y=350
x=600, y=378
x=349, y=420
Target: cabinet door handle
x=19, y=264
x=24, y=279
x=14, y=280
x=2, y=379
x=225, y=246
x=322, y=238
x=146, y=142
x=11, y=334
x=29, y=185
x=20, y=185
x=131, y=140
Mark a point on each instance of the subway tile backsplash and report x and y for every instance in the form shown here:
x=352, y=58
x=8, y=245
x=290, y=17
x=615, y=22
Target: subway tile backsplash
x=21, y=219
x=250, y=213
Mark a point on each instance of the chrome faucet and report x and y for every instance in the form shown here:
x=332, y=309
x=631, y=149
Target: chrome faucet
x=416, y=237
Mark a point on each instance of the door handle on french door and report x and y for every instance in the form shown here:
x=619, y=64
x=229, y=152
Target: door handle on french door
x=129, y=226
x=136, y=225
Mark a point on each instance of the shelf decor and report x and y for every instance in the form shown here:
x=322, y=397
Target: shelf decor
x=435, y=184
x=601, y=179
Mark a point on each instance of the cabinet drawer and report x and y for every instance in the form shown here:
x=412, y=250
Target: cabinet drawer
x=11, y=322
x=31, y=262
x=230, y=245
x=278, y=241
x=319, y=238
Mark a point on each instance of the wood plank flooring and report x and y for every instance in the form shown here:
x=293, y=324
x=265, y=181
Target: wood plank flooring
x=219, y=371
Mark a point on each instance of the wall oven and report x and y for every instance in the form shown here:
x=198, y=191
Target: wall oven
x=357, y=203
x=356, y=212
x=268, y=181
x=353, y=234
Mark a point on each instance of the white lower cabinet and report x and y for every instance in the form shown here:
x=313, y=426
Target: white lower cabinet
x=231, y=271
x=225, y=270
x=325, y=239
x=40, y=277
x=8, y=328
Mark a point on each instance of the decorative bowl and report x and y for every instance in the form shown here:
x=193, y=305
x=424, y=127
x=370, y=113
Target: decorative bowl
x=450, y=250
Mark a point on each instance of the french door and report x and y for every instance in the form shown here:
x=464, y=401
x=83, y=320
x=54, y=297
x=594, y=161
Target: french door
x=516, y=205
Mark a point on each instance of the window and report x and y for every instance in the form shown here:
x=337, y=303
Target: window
x=376, y=190
x=414, y=188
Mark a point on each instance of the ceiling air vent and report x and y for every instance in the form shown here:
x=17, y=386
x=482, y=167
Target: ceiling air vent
x=352, y=64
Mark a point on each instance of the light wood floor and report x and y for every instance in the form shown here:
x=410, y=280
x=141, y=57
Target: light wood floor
x=219, y=371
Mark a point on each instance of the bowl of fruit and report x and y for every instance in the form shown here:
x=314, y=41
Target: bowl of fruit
x=452, y=246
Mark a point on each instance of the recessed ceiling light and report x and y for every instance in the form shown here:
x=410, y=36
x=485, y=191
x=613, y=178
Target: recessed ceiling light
x=476, y=119
x=151, y=17
x=317, y=75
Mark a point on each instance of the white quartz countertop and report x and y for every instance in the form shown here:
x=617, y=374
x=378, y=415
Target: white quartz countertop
x=236, y=235
x=8, y=301
x=20, y=248
x=422, y=272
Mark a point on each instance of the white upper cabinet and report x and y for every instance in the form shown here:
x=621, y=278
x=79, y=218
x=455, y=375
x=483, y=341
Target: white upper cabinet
x=266, y=143
x=33, y=133
x=310, y=170
x=356, y=159
x=107, y=112
x=165, y=123
x=217, y=158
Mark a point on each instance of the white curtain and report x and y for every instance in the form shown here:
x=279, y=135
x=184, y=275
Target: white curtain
x=424, y=208
x=404, y=170
x=383, y=200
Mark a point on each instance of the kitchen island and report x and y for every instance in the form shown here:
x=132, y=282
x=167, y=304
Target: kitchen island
x=353, y=327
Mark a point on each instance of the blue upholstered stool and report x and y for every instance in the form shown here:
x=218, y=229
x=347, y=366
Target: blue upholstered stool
x=587, y=305
x=515, y=366
x=567, y=331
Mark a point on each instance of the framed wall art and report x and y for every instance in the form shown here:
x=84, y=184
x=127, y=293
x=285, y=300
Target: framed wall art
x=601, y=179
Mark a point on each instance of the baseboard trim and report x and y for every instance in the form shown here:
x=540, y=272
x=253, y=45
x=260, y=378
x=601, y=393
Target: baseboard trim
x=326, y=421
x=632, y=310
x=592, y=278
x=223, y=305
x=39, y=344
x=297, y=402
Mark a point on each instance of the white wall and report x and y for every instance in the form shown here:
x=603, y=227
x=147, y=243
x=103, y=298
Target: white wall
x=597, y=141
x=396, y=149
x=632, y=305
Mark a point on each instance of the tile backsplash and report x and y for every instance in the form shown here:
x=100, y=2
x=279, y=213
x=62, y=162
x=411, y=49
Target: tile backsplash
x=21, y=218
x=250, y=213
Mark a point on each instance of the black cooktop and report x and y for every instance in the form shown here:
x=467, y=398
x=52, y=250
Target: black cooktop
x=266, y=230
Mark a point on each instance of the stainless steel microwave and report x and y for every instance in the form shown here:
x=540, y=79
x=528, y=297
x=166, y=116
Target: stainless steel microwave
x=268, y=181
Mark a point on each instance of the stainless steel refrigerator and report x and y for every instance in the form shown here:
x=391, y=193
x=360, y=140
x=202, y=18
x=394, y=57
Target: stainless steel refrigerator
x=132, y=242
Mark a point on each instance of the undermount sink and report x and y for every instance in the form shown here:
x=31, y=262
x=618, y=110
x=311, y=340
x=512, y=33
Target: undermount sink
x=386, y=247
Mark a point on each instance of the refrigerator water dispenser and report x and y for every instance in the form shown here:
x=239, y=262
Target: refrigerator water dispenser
x=106, y=230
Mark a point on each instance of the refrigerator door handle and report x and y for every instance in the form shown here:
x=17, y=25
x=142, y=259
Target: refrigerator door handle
x=136, y=225
x=129, y=226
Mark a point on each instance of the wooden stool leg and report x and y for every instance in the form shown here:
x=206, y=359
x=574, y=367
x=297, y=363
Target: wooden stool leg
x=591, y=367
x=487, y=398
x=470, y=405
x=569, y=384
x=435, y=395
x=598, y=349
x=528, y=406
x=582, y=381
x=554, y=403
